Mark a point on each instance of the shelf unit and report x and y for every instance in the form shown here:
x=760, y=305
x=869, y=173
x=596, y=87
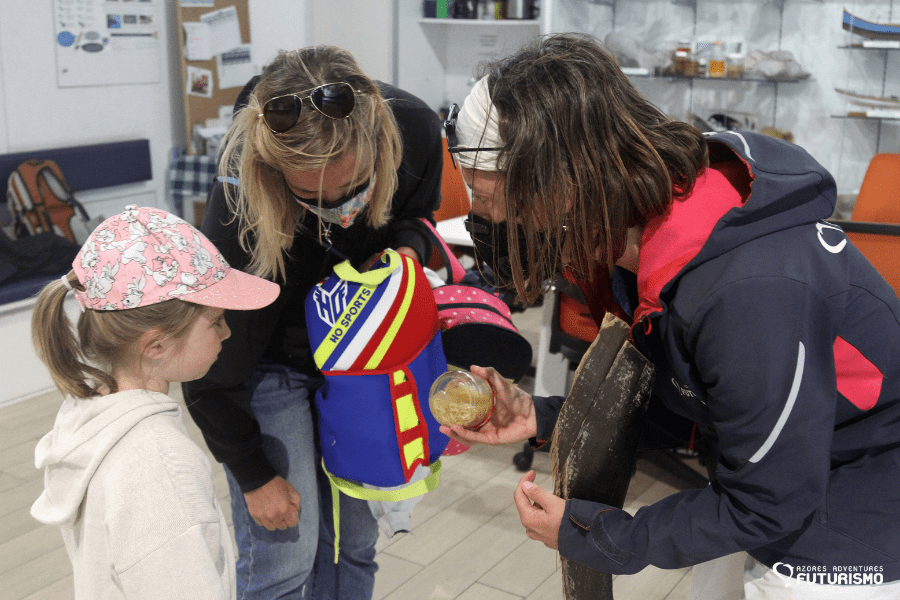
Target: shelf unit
x=774, y=82
x=436, y=59
x=532, y=23
x=864, y=117
x=884, y=47
x=715, y=79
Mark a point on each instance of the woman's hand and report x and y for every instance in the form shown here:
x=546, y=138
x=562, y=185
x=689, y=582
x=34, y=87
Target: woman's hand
x=542, y=518
x=513, y=419
x=276, y=505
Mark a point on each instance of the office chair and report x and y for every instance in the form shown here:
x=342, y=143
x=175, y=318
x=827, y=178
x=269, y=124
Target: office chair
x=874, y=226
x=454, y=202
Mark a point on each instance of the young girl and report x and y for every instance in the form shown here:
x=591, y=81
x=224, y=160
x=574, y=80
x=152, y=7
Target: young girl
x=130, y=490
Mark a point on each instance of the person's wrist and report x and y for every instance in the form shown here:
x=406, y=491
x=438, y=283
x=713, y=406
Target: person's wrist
x=410, y=252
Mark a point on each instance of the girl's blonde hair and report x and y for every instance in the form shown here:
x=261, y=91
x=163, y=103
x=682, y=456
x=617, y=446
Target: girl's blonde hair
x=262, y=202
x=81, y=358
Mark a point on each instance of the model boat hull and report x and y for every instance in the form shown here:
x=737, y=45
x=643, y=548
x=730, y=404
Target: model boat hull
x=882, y=102
x=875, y=31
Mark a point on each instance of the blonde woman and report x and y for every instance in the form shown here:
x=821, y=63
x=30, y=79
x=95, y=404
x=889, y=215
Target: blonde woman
x=321, y=163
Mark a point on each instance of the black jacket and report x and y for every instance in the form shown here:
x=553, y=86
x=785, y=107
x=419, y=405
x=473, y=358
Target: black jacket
x=219, y=403
x=771, y=331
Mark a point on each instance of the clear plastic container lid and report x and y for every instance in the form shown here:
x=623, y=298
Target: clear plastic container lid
x=461, y=397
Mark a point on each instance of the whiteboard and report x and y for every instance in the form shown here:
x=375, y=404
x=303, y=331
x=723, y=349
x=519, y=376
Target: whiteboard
x=107, y=42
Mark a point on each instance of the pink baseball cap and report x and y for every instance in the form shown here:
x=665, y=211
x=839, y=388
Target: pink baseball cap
x=146, y=255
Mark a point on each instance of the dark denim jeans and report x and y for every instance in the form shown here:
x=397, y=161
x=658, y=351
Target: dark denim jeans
x=298, y=563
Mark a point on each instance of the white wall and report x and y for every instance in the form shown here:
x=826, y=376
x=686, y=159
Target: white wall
x=279, y=25
x=364, y=27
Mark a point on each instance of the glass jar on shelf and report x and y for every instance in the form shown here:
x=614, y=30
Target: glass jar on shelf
x=717, y=59
x=681, y=58
x=734, y=61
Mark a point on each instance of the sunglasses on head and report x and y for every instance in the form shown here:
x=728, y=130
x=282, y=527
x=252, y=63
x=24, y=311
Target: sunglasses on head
x=452, y=141
x=334, y=100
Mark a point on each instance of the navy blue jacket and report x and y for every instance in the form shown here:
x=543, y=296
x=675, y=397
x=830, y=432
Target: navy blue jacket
x=773, y=332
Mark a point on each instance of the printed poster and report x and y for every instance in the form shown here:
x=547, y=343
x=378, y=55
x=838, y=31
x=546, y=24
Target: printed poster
x=107, y=42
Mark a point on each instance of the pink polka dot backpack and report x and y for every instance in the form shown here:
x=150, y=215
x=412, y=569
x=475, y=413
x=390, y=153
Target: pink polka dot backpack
x=476, y=325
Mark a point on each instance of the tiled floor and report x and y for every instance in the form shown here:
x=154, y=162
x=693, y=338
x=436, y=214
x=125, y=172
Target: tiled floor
x=466, y=542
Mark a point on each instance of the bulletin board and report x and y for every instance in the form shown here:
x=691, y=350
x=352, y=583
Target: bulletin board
x=204, y=89
x=100, y=42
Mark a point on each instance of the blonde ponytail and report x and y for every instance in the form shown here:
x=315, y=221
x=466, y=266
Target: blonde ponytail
x=53, y=336
x=81, y=359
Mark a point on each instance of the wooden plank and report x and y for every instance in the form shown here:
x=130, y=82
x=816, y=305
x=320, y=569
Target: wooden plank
x=592, y=370
x=594, y=448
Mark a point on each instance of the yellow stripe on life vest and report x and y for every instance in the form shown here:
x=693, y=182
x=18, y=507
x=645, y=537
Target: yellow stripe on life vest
x=407, y=418
x=391, y=333
x=413, y=450
x=342, y=325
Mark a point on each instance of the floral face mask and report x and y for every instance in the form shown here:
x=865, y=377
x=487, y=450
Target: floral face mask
x=345, y=210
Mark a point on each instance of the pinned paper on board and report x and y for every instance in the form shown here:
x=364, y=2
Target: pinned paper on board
x=235, y=67
x=197, y=3
x=224, y=29
x=199, y=82
x=197, y=45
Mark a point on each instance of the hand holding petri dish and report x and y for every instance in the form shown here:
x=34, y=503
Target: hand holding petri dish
x=461, y=398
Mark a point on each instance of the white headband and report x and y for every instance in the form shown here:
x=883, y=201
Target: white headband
x=477, y=126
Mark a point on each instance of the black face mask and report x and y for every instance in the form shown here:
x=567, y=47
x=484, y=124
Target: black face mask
x=491, y=248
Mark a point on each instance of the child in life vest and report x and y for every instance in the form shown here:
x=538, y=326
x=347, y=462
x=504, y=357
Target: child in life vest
x=132, y=493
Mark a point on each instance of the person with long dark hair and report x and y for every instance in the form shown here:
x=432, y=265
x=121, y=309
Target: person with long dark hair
x=766, y=326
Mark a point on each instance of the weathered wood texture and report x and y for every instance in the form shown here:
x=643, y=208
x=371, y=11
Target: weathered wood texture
x=594, y=446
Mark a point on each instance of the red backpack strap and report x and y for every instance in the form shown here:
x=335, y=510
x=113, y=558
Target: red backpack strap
x=455, y=269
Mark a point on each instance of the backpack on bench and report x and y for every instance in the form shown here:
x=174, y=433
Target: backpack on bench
x=41, y=201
